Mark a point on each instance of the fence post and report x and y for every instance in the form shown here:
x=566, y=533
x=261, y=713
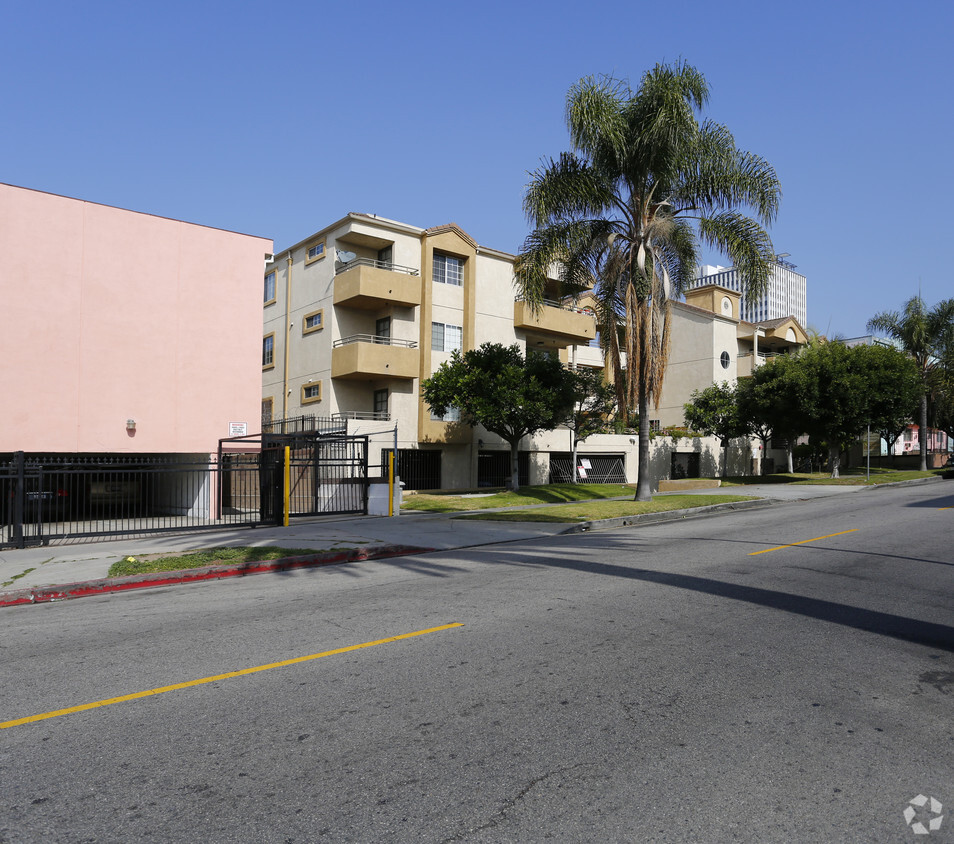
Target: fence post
x=18, y=500
x=286, y=486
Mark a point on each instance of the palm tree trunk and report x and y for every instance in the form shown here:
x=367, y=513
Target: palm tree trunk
x=922, y=434
x=643, y=484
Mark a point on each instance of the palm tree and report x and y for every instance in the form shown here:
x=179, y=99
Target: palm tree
x=622, y=216
x=922, y=333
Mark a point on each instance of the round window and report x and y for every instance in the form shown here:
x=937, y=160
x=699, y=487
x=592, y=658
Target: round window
x=725, y=360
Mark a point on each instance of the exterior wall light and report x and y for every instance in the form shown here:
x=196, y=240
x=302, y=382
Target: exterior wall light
x=130, y=424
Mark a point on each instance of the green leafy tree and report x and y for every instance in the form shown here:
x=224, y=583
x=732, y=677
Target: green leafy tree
x=511, y=396
x=768, y=404
x=921, y=333
x=594, y=402
x=893, y=392
x=624, y=212
x=714, y=412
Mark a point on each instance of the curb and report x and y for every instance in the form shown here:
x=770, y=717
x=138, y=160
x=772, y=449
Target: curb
x=668, y=516
x=48, y=594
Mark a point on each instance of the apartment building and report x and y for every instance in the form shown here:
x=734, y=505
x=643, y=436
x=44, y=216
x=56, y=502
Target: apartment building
x=785, y=296
x=711, y=343
x=359, y=313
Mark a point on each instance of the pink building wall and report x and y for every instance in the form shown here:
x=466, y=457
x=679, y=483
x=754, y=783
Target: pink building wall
x=108, y=315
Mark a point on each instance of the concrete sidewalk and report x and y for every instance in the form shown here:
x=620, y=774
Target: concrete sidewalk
x=58, y=565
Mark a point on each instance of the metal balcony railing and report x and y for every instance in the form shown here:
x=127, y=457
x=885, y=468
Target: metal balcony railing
x=363, y=415
x=380, y=265
x=377, y=339
x=562, y=306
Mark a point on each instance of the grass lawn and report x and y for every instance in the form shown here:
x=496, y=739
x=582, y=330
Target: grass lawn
x=592, y=510
x=850, y=477
x=550, y=494
x=151, y=564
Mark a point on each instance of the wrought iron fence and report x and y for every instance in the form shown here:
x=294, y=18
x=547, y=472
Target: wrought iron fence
x=57, y=499
x=66, y=498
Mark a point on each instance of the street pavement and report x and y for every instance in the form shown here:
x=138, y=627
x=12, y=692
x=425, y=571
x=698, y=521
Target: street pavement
x=58, y=565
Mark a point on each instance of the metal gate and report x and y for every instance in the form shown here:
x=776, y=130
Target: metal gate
x=327, y=475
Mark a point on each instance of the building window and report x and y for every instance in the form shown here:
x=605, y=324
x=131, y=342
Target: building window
x=452, y=414
x=382, y=330
x=381, y=404
x=316, y=251
x=654, y=426
x=314, y=321
x=724, y=360
x=268, y=351
x=311, y=392
x=270, y=287
x=448, y=269
x=386, y=257
x=446, y=338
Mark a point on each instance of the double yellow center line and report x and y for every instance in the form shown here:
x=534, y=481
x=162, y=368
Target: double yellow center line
x=16, y=722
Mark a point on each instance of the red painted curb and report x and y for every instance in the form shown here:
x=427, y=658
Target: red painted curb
x=47, y=594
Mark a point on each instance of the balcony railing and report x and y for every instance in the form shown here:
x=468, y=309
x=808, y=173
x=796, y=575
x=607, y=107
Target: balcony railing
x=380, y=265
x=365, y=415
x=377, y=339
x=761, y=355
x=553, y=303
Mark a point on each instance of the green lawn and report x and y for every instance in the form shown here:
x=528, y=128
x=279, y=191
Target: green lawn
x=593, y=510
x=550, y=494
x=850, y=477
x=209, y=557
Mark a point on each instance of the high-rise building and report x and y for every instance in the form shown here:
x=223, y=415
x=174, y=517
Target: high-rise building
x=786, y=294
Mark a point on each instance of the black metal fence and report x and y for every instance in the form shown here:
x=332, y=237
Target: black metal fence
x=57, y=499
x=418, y=468
x=605, y=469
x=63, y=498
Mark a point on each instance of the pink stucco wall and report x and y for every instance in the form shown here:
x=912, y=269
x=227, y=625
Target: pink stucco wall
x=108, y=315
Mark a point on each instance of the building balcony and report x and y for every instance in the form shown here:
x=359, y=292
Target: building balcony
x=368, y=284
x=564, y=324
x=749, y=362
x=367, y=356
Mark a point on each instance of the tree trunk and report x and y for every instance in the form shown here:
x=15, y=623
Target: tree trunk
x=515, y=465
x=834, y=457
x=575, y=442
x=725, y=459
x=643, y=483
x=789, y=450
x=922, y=434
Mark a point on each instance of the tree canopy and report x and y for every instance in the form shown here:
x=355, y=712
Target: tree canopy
x=623, y=213
x=714, y=412
x=511, y=396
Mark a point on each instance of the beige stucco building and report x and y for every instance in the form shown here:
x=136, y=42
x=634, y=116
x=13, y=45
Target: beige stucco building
x=359, y=313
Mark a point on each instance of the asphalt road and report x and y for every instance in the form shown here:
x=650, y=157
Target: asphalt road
x=664, y=683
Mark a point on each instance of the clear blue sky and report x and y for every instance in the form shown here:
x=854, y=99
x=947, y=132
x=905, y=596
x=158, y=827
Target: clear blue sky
x=276, y=119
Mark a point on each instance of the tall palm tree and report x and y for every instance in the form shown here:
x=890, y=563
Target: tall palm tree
x=623, y=213
x=922, y=333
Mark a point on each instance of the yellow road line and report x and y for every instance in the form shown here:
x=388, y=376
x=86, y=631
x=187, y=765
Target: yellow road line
x=792, y=545
x=175, y=687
